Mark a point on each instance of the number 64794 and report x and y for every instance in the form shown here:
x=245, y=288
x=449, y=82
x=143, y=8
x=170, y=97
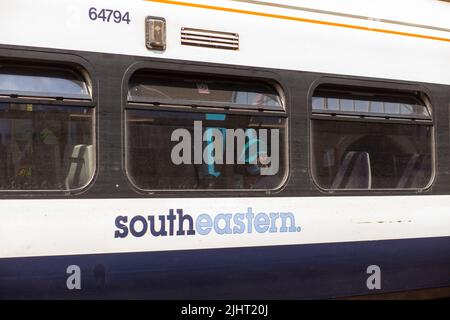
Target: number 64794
x=108, y=15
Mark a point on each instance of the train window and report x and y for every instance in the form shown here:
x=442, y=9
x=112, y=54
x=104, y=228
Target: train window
x=42, y=82
x=45, y=144
x=179, y=145
x=363, y=139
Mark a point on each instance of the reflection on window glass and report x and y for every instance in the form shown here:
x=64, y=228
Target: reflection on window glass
x=318, y=103
x=362, y=106
x=47, y=83
x=392, y=108
x=45, y=147
x=332, y=104
x=150, y=150
x=376, y=107
x=169, y=89
x=346, y=105
x=406, y=109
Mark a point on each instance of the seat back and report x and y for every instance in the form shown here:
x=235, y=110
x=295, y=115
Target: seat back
x=354, y=172
x=81, y=166
x=416, y=172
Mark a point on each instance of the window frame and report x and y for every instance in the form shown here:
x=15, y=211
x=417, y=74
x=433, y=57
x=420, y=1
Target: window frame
x=84, y=71
x=378, y=85
x=267, y=77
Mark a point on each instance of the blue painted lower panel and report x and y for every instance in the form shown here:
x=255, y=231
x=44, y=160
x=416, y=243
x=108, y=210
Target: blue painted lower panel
x=281, y=272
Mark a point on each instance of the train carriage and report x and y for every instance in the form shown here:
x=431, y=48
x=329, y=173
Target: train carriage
x=230, y=149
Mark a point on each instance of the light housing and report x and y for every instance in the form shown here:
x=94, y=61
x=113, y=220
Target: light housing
x=155, y=33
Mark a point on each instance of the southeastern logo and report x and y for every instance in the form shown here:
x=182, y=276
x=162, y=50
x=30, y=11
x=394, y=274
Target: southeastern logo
x=177, y=223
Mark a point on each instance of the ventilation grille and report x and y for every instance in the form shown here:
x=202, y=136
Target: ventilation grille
x=209, y=39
